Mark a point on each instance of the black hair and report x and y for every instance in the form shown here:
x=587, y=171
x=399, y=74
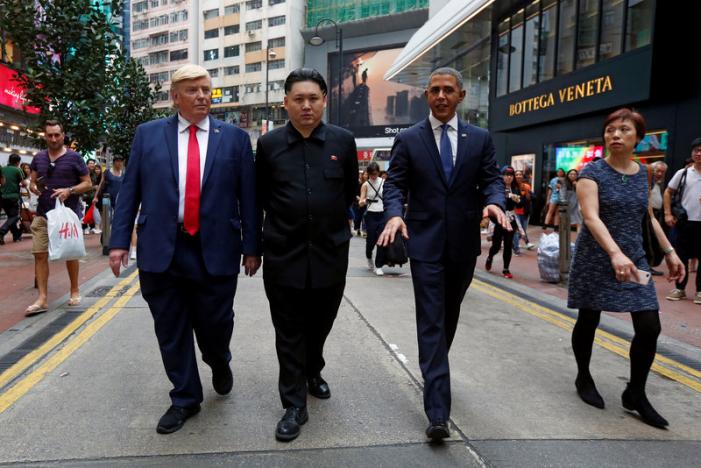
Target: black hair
x=373, y=167
x=305, y=74
x=91, y=159
x=14, y=159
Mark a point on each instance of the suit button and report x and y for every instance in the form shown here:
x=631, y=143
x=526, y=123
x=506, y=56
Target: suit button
x=309, y=217
x=309, y=191
x=309, y=244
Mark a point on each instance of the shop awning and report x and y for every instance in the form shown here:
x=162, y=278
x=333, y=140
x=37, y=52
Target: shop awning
x=451, y=17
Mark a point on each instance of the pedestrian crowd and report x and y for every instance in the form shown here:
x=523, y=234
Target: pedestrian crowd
x=292, y=210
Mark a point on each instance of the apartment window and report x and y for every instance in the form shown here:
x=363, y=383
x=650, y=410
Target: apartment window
x=639, y=27
x=213, y=72
x=176, y=36
x=565, y=43
x=158, y=77
x=138, y=7
x=252, y=88
x=516, y=50
x=209, y=14
x=611, y=29
x=230, y=94
x=254, y=4
x=276, y=42
x=275, y=85
x=254, y=46
x=162, y=96
x=211, y=33
x=503, y=58
x=233, y=29
x=276, y=21
x=211, y=54
x=254, y=67
x=154, y=3
x=254, y=25
x=231, y=51
x=156, y=58
x=139, y=43
x=228, y=10
x=276, y=64
x=275, y=2
x=159, y=39
x=176, y=55
x=140, y=25
x=548, y=30
x=233, y=70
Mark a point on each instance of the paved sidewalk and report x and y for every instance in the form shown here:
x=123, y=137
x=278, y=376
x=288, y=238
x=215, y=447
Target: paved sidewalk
x=514, y=402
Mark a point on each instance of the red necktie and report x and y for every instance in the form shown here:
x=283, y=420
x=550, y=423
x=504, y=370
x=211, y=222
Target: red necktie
x=191, y=217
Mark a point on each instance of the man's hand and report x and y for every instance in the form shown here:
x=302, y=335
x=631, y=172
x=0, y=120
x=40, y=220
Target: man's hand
x=250, y=264
x=61, y=193
x=394, y=224
x=670, y=220
x=118, y=258
x=493, y=211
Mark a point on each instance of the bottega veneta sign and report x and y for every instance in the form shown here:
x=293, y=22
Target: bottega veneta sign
x=575, y=92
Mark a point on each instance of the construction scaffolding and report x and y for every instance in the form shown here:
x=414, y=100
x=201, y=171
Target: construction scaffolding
x=342, y=11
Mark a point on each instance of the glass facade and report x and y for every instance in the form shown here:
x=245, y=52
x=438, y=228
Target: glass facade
x=351, y=10
x=549, y=38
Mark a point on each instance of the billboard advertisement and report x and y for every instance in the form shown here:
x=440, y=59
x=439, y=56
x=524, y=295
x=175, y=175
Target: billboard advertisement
x=371, y=106
x=11, y=93
x=576, y=157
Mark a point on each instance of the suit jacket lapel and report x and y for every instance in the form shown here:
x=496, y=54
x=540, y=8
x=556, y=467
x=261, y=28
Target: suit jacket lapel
x=430, y=144
x=171, y=131
x=212, y=146
x=462, y=149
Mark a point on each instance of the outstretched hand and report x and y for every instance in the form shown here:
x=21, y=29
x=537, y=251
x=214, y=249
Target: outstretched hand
x=497, y=215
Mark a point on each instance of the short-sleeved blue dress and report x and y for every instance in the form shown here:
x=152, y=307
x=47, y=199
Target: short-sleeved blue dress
x=593, y=285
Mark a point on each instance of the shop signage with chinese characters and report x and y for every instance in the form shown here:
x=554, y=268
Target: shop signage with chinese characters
x=620, y=81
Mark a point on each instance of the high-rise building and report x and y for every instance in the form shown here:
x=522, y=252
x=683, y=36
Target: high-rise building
x=250, y=47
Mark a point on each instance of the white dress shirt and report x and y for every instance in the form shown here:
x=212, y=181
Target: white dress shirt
x=452, y=133
x=183, y=140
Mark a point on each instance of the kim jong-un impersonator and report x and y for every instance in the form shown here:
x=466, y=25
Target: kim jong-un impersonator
x=445, y=169
x=194, y=178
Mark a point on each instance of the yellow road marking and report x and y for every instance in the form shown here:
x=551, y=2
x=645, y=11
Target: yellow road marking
x=23, y=386
x=604, y=339
x=28, y=360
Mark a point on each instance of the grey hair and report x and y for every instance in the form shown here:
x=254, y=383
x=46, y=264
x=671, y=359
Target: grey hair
x=661, y=164
x=446, y=71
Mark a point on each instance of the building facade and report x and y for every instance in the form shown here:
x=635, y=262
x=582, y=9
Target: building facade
x=556, y=69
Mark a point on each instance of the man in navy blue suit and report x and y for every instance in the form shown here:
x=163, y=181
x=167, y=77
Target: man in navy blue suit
x=445, y=170
x=198, y=216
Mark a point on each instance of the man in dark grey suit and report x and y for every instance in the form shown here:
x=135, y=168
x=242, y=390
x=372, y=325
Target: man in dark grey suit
x=446, y=169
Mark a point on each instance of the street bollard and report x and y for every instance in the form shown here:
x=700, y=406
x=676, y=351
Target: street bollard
x=106, y=223
x=564, y=241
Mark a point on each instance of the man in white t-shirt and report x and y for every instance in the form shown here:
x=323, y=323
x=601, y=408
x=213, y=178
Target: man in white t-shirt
x=688, y=238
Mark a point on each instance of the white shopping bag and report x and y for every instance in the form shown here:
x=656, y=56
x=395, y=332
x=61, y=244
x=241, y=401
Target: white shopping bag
x=65, y=233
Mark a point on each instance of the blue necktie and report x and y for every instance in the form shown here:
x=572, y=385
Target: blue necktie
x=446, y=152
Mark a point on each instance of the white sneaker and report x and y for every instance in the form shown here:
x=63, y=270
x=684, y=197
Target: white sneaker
x=87, y=231
x=379, y=272
x=371, y=264
x=530, y=246
x=97, y=231
x=132, y=255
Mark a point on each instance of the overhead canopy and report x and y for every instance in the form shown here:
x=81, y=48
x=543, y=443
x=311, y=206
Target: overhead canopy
x=414, y=63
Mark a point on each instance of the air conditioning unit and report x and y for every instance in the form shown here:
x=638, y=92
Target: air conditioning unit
x=252, y=34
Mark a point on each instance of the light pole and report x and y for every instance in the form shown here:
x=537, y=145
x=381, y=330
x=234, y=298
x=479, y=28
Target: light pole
x=269, y=55
x=317, y=40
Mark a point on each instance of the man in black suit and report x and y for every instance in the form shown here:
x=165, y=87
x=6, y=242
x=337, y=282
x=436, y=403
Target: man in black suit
x=447, y=170
x=307, y=176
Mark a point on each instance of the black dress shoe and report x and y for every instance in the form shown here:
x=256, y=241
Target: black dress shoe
x=637, y=401
x=289, y=426
x=588, y=393
x=222, y=380
x=175, y=417
x=437, y=431
x=318, y=387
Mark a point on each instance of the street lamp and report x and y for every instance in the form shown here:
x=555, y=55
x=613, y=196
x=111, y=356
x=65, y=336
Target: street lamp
x=317, y=40
x=270, y=55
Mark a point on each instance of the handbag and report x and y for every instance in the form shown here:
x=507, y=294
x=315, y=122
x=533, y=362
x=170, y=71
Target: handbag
x=678, y=210
x=396, y=253
x=653, y=251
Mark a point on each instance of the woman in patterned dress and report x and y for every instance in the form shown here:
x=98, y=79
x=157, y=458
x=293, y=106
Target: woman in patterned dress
x=613, y=196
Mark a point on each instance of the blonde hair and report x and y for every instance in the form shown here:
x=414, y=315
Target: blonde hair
x=188, y=72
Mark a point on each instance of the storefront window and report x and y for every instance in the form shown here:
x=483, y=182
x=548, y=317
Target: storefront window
x=530, y=49
x=639, y=27
x=516, y=52
x=503, y=58
x=546, y=59
x=565, y=46
x=588, y=32
x=611, y=29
